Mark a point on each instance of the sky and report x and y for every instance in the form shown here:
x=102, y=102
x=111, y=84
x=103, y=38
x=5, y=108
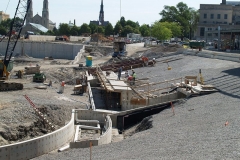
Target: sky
x=63, y=11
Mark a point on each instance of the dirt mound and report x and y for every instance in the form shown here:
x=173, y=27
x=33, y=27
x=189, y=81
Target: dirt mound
x=167, y=48
x=161, y=50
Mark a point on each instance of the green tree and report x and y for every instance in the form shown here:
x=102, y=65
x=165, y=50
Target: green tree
x=55, y=31
x=127, y=29
x=100, y=29
x=194, y=19
x=118, y=28
x=179, y=14
x=161, y=32
x=132, y=24
x=109, y=29
x=122, y=22
x=49, y=32
x=93, y=27
x=136, y=30
x=174, y=27
x=64, y=29
x=85, y=29
x=6, y=23
x=144, y=29
x=3, y=30
x=74, y=31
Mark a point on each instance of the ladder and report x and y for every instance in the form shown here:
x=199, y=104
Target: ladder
x=39, y=113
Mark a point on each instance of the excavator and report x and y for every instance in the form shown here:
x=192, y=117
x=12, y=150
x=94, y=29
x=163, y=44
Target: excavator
x=6, y=64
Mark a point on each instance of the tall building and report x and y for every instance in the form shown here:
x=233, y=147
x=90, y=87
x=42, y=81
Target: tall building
x=38, y=22
x=101, y=21
x=3, y=16
x=225, y=15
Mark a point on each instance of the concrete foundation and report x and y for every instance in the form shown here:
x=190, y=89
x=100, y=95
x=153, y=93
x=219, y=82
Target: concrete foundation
x=40, y=145
x=104, y=120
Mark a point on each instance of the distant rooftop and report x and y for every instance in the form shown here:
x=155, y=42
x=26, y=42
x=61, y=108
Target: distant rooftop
x=39, y=27
x=233, y=3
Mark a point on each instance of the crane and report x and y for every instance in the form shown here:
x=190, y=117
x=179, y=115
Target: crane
x=13, y=35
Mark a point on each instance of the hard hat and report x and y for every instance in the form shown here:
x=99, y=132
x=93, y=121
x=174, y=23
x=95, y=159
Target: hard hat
x=153, y=58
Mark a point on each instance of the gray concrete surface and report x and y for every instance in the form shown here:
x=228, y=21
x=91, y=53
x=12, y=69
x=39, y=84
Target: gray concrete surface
x=196, y=131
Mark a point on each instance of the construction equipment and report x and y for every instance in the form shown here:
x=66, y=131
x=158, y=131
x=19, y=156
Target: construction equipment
x=19, y=73
x=119, y=47
x=13, y=36
x=39, y=77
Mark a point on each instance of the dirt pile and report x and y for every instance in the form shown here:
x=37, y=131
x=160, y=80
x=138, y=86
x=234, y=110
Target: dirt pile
x=160, y=51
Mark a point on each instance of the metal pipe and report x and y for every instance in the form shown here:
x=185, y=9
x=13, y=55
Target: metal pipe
x=90, y=127
x=87, y=121
x=64, y=148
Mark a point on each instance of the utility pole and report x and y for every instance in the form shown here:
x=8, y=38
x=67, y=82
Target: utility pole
x=120, y=9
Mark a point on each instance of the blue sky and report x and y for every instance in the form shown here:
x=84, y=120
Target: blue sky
x=63, y=11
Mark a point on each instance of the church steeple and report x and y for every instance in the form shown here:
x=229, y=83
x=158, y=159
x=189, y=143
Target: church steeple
x=101, y=14
x=45, y=14
x=29, y=14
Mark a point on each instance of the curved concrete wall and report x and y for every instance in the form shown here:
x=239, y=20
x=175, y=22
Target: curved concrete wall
x=38, y=146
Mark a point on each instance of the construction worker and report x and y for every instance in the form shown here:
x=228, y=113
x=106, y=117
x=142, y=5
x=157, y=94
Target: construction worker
x=154, y=62
x=120, y=72
x=134, y=77
x=145, y=60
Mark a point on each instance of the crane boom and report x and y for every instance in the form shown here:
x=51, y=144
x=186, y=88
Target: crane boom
x=16, y=28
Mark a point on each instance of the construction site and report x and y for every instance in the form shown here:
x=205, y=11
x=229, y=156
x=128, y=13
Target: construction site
x=112, y=100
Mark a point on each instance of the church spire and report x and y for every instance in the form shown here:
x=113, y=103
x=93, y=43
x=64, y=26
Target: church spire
x=45, y=14
x=29, y=14
x=101, y=14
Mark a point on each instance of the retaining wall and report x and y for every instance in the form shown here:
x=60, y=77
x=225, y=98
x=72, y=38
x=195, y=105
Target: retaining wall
x=103, y=118
x=105, y=138
x=40, y=145
x=77, y=38
x=44, y=49
x=235, y=57
x=41, y=38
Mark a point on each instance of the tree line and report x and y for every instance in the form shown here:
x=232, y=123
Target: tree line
x=176, y=21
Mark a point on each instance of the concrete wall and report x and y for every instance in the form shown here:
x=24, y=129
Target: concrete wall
x=215, y=55
x=38, y=146
x=41, y=38
x=78, y=38
x=44, y=49
x=163, y=98
x=105, y=138
x=127, y=96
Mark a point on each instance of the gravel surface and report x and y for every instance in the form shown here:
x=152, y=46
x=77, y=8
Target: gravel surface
x=18, y=120
x=204, y=127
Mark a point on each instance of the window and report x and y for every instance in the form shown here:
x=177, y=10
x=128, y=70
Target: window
x=219, y=16
x=205, y=15
x=209, y=34
x=216, y=34
x=225, y=22
x=202, y=30
x=204, y=21
x=212, y=16
x=225, y=16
